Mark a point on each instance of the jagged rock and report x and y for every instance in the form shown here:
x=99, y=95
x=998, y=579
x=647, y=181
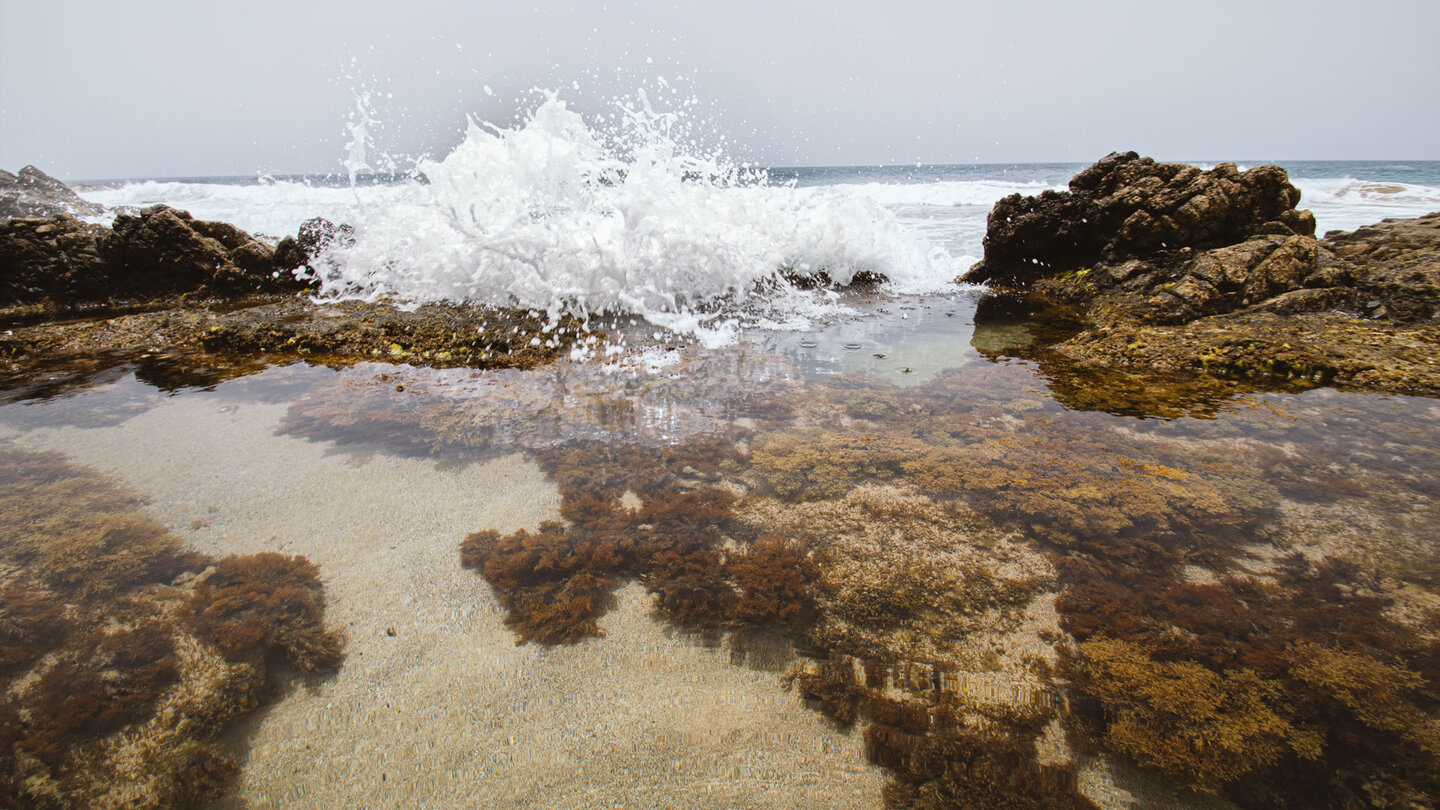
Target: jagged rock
x=34, y=193
x=1165, y=268
x=1398, y=267
x=1126, y=206
x=165, y=251
x=160, y=252
x=1186, y=285
x=51, y=259
x=1387, y=271
x=316, y=235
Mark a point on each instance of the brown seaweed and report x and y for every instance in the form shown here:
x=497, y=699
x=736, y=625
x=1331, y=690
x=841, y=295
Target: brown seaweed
x=96, y=603
x=265, y=604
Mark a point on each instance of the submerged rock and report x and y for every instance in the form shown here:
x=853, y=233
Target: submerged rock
x=33, y=193
x=1165, y=267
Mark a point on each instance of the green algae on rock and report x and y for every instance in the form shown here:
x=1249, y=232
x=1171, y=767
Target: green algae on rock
x=124, y=656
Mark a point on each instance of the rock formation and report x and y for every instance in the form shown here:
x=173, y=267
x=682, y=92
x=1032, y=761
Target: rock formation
x=316, y=235
x=1126, y=206
x=1170, y=268
x=62, y=262
x=194, y=302
x=33, y=193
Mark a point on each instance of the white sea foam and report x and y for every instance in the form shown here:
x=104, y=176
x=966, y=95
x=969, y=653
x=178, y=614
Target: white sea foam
x=556, y=215
x=1347, y=203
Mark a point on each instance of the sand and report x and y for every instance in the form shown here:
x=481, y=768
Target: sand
x=435, y=705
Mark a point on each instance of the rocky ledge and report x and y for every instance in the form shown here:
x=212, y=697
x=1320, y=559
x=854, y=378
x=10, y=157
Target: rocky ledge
x=1168, y=268
x=193, y=302
x=33, y=193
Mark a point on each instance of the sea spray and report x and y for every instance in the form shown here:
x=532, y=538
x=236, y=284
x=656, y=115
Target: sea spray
x=559, y=215
x=361, y=141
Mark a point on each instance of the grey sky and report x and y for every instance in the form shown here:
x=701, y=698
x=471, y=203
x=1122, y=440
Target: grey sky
x=94, y=90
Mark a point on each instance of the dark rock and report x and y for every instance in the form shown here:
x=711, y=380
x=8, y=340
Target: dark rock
x=49, y=259
x=163, y=251
x=1357, y=310
x=160, y=252
x=1126, y=206
x=34, y=193
x=1397, y=263
x=316, y=236
x=821, y=280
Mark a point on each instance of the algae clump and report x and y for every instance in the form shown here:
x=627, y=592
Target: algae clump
x=125, y=657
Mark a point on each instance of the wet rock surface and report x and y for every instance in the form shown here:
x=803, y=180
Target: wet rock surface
x=1245, y=292
x=182, y=345
x=316, y=235
x=61, y=263
x=204, y=301
x=33, y=193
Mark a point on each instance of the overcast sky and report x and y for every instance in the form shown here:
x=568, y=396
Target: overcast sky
x=159, y=88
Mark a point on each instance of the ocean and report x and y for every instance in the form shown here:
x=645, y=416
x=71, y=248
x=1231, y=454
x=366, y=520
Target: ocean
x=665, y=235
x=758, y=547
x=945, y=205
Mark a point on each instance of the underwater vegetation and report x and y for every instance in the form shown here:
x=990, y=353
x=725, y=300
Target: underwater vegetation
x=1242, y=604
x=965, y=755
x=1057, y=480
x=922, y=590
x=901, y=577
x=1205, y=644
x=265, y=604
x=123, y=656
x=630, y=516
x=1295, y=690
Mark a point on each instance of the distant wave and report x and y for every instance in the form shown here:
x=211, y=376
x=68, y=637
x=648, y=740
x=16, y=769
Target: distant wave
x=1348, y=203
x=946, y=192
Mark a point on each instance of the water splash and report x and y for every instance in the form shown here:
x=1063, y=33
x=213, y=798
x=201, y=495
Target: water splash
x=564, y=215
x=361, y=141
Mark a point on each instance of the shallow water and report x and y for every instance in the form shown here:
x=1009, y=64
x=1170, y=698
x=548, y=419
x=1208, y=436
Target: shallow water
x=377, y=473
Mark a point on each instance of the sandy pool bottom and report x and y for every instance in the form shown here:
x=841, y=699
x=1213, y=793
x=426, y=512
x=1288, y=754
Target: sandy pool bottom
x=435, y=705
